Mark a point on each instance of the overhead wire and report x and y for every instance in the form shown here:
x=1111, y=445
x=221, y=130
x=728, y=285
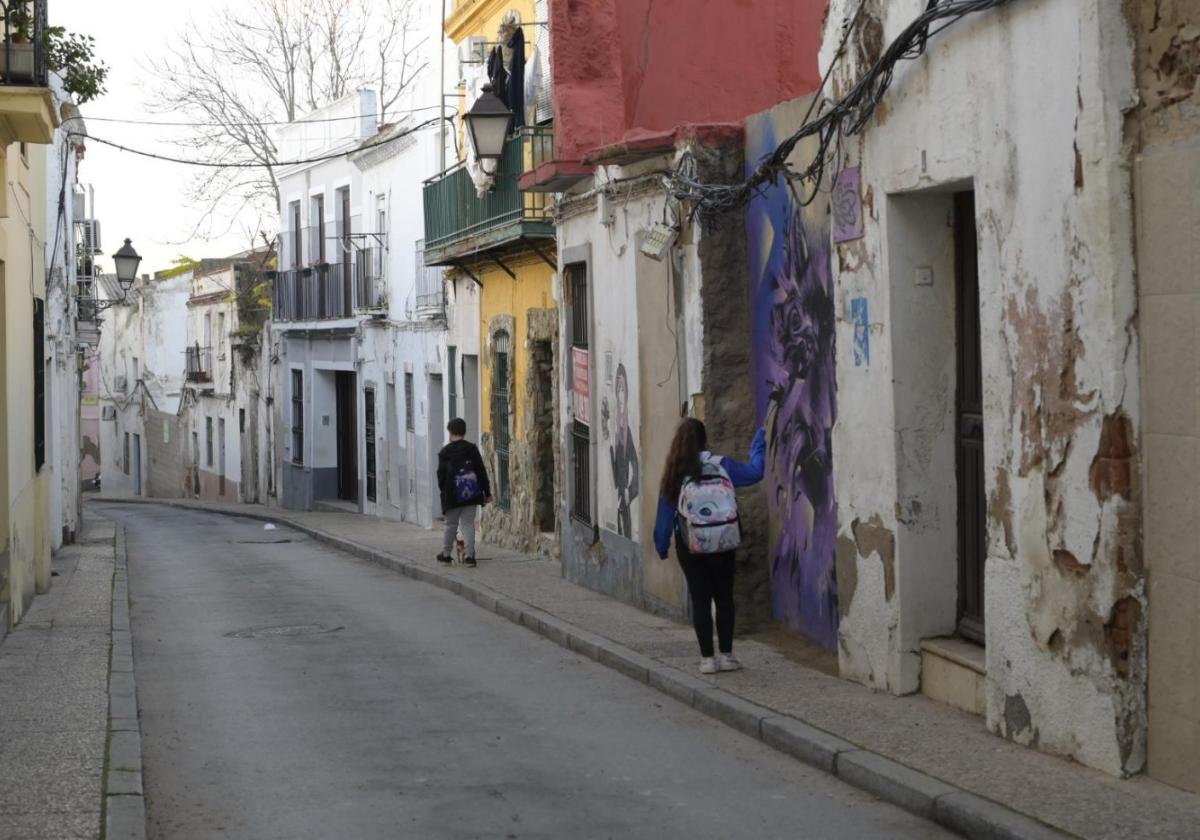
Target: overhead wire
x=252, y=123
x=259, y=165
x=849, y=116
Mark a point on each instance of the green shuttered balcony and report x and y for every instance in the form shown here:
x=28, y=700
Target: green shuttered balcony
x=460, y=224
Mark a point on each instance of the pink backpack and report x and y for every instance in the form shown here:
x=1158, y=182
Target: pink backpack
x=707, y=515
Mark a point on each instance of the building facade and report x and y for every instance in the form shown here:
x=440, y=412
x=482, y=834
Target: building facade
x=326, y=287
x=143, y=342
x=65, y=337
x=359, y=320
x=222, y=415
x=30, y=119
x=496, y=242
x=655, y=308
x=405, y=380
x=984, y=446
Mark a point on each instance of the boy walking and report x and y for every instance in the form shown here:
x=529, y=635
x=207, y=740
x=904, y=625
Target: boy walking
x=464, y=486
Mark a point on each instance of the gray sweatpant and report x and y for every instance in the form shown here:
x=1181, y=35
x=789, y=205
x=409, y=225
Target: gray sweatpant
x=460, y=518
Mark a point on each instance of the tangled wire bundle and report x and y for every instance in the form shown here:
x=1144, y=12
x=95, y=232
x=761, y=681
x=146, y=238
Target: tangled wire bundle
x=847, y=117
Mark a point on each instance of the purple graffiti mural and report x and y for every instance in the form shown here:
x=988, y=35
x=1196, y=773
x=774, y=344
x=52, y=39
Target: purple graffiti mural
x=796, y=395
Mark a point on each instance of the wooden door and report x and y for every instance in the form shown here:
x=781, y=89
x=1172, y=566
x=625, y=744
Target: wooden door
x=972, y=515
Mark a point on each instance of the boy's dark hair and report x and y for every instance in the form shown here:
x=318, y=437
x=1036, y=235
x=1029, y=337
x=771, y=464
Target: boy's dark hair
x=457, y=427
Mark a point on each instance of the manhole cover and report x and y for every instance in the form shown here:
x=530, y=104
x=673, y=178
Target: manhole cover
x=282, y=630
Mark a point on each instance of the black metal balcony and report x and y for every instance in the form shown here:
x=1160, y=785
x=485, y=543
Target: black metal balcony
x=459, y=223
x=326, y=292
x=23, y=61
x=199, y=364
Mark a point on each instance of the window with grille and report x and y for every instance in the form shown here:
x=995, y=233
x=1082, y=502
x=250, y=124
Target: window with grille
x=125, y=461
x=502, y=349
x=452, y=359
x=369, y=435
x=581, y=434
x=297, y=417
x=297, y=237
x=410, y=421
x=208, y=441
x=39, y=383
x=581, y=471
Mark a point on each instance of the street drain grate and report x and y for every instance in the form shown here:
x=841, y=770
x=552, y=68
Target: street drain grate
x=283, y=630
x=261, y=542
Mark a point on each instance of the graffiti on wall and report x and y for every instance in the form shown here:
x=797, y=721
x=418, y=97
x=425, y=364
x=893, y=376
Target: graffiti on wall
x=618, y=496
x=795, y=390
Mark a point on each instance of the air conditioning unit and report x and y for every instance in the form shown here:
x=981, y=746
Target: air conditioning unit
x=109, y=412
x=91, y=236
x=473, y=50
x=78, y=206
x=120, y=386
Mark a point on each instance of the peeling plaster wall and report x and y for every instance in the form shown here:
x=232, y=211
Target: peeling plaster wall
x=639, y=339
x=1164, y=132
x=1041, y=146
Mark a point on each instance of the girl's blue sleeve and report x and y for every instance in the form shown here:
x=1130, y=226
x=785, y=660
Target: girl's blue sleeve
x=744, y=475
x=663, y=526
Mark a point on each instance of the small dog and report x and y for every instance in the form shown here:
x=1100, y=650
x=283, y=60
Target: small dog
x=460, y=549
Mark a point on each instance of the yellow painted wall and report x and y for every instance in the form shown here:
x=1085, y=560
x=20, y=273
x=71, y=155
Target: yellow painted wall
x=501, y=295
x=27, y=495
x=482, y=17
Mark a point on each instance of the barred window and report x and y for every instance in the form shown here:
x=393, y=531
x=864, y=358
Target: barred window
x=297, y=417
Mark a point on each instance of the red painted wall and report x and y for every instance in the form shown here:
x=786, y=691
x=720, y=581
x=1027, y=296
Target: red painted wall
x=628, y=67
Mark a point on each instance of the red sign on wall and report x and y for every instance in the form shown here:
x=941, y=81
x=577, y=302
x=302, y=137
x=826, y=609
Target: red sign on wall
x=581, y=385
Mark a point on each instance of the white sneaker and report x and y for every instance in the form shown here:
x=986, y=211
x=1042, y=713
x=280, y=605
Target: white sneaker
x=707, y=665
x=728, y=662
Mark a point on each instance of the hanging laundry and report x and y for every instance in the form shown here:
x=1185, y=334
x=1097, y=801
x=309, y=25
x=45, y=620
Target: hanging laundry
x=497, y=75
x=516, y=77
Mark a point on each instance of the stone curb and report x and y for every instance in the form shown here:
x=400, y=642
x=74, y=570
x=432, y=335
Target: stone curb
x=951, y=807
x=124, y=794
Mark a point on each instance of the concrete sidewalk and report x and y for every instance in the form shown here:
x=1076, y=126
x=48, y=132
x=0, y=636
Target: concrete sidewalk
x=55, y=692
x=920, y=754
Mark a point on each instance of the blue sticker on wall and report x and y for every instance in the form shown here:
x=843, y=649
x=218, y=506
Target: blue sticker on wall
x=862, y=332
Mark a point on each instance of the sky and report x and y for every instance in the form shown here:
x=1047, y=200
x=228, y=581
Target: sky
x=139, y=198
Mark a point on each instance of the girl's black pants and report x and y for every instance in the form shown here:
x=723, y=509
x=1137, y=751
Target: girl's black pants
x=710, y=580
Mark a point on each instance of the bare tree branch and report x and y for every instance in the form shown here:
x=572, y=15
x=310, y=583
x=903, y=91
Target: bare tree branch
x=259, y=62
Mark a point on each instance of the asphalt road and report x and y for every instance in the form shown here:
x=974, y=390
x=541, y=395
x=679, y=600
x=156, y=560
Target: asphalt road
x=290, y=691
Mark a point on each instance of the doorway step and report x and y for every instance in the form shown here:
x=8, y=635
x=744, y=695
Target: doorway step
x=335, y=506
x=954, y=672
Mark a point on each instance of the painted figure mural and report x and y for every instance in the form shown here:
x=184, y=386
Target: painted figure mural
x=796, y=395
x=624, y=457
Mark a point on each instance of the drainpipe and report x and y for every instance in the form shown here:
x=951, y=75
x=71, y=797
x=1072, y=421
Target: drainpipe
x=442, y=95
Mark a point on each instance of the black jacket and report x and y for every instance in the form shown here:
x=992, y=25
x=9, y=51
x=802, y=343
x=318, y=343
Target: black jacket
x=452, y=455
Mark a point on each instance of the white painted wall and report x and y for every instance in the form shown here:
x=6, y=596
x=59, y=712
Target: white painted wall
x=1018, y=103
x=153, y=330
x=62, y=335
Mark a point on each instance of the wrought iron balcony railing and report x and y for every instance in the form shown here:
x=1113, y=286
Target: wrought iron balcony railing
x=460, y=223
x=199, y=364
x=330, y=291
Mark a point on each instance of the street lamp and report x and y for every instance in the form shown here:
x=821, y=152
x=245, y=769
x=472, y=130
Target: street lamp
x=126, y=260
x=488, y=123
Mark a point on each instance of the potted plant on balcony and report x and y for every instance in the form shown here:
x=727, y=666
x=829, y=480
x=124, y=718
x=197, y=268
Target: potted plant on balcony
x=17, y=63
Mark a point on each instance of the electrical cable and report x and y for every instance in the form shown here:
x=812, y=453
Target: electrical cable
x=222, y=124
x=252, y=165
x=847, y=117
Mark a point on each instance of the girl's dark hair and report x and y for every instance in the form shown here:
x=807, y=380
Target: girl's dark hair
x=683, y=461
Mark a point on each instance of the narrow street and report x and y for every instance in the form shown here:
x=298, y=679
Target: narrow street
x=399, y=710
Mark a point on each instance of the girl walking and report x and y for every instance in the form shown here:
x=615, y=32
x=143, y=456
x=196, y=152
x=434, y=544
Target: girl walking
x=696, y=503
